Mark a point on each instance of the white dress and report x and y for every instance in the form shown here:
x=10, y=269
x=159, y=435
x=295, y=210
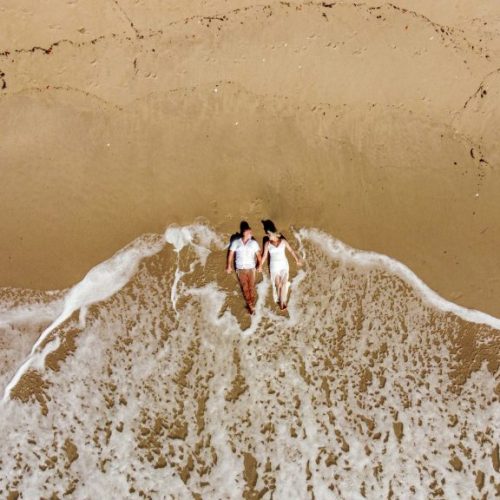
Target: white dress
x=278, y=266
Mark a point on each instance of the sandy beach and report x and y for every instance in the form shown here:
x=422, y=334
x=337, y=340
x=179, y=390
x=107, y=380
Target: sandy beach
x=136, y=136
x=371, y=121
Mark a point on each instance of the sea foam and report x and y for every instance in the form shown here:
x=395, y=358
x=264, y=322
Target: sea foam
x=344, y=253
x=99, y=283
x=359, y=392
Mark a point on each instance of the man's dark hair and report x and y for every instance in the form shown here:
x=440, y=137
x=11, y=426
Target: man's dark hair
x=244, y=226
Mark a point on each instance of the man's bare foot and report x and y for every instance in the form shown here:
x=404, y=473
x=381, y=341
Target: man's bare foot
x=283, y=307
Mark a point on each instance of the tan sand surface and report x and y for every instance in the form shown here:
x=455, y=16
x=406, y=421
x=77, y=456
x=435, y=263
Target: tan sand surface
x=376, y=122
x=366, y=387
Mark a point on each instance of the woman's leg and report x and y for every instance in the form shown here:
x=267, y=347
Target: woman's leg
x=279, y=289
x=283, y=292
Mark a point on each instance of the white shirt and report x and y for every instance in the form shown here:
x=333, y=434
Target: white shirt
x=245, y=253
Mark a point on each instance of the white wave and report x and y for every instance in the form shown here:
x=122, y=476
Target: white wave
x=201, y=238
x=344, y=253
x=301, y=411
x=32, y=313
x=107, y=278
x=101, y=282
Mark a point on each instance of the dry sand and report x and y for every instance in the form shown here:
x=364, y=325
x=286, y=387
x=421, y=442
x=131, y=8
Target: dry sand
x=370, y=121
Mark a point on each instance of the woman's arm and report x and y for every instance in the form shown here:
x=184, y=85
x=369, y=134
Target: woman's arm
x=264, y=256
x=297, y=260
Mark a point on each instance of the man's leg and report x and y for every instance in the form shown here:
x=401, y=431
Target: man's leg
x=246, y=278
x=251, y=284
x=242, y=278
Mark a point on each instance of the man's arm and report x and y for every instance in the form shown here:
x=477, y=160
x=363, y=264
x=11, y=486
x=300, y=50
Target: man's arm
x=229, y=263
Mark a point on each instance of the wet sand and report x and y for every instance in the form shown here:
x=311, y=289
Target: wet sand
x=366, y=387
x=373, y=123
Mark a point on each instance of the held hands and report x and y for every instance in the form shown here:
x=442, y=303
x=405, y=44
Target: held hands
x=229, y=270
x=259, y=269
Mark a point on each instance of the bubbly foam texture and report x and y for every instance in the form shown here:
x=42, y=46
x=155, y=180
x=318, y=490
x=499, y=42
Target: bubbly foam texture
x=371, y=385
x=28, y=309
x=339, y=250
x=100, y=282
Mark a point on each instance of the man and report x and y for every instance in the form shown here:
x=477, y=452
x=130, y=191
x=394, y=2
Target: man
x=248, y=256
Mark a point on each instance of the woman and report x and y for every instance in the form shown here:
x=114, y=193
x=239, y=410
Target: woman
x=275, y=247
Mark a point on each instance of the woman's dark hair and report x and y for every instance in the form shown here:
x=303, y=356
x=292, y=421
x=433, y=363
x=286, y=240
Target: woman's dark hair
x=269, y=226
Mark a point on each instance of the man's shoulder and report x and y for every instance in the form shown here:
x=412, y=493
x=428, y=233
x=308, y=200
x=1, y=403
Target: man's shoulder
x=235, y=243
